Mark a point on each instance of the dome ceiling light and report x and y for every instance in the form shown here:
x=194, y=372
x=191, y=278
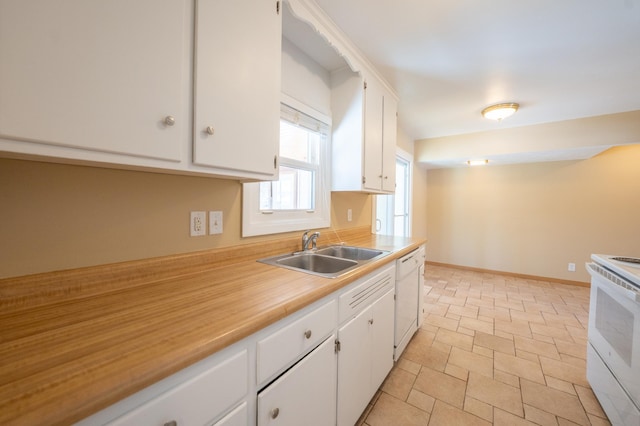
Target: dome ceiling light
x=500, y=111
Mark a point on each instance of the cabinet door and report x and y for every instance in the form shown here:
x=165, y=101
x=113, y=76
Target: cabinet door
x=237, y=85
x=305, y=394
x=354, y=367
x=98, y=75
x=373, y=113
x=381, y=340
x=389, y=138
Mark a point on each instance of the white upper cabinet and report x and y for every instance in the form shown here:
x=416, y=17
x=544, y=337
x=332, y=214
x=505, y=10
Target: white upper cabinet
x=110, y=83
x=364, y=134
x=237, y=85
x=104, y=76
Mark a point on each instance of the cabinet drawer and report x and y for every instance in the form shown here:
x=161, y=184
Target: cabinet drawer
x=238, y=417
x=198, y=400
x=362, y=295
x=285, y=345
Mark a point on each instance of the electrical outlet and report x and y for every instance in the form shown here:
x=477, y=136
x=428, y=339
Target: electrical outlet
x=349, y=215
x=198, y=224
x=572, y=267
x=215, y=223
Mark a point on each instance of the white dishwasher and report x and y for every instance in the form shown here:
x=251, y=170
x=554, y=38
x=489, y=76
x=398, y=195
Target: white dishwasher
x=409, y=293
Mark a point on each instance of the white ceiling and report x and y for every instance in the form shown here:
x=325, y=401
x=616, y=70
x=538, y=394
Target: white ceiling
x=448, y=59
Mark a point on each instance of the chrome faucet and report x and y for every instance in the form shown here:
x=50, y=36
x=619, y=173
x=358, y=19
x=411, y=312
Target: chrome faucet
x=309, y=239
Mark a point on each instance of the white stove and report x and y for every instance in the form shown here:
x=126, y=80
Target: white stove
x=627, y=267
x=613, y=351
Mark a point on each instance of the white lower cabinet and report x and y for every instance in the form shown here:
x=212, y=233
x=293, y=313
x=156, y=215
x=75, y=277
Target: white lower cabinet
x=238, y=417
x=198, y=400
x=305, y=394
x=365, y=357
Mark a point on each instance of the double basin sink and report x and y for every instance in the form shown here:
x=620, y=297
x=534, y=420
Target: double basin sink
x=329, y=262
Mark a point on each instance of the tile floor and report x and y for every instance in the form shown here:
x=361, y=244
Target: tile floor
x=495, y=350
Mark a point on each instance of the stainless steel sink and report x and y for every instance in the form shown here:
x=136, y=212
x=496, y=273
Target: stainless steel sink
x=329, y=262
x=348, y=252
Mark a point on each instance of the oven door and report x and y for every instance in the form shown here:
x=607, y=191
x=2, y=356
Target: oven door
x=614, y=327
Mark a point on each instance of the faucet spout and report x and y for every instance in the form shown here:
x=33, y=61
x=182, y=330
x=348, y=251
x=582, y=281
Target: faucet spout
x=309, y=239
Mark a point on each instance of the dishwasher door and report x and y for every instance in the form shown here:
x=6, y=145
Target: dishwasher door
x=408, y=282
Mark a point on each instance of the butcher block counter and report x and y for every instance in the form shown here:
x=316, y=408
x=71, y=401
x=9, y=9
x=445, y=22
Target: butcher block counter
x=74, y=342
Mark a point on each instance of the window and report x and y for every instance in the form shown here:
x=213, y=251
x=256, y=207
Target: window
x=300, y=198
x=393, y=212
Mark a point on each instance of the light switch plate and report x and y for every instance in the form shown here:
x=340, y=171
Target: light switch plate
x=215, y=223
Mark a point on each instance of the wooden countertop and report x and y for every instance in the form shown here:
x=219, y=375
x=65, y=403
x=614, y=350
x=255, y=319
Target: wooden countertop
x=74, y=342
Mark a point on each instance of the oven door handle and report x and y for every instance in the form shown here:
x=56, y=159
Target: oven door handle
x=625, y=289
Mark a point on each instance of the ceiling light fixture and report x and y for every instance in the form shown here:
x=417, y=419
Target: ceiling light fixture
x=477, y=162
x=500, y=111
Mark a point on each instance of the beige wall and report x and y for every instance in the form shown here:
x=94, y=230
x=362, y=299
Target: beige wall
x=55, y=216
x=536, y=218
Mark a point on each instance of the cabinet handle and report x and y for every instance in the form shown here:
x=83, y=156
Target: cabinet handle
x=386, y=177
x=371, y=321
x=171, y=423
x=169, y=120
x=275, y=412
x=307, y=334
x=210, y=130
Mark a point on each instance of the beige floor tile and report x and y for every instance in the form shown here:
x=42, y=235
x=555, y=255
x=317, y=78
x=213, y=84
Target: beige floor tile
x=553, y=401
x=527, y=355
x=543, y=338
x=538, y=416
x=454, y=338
x=545, y=330
x=565, y=422
x=502, y=418
x=410, y=366
x=495, y=343
x=506, y=378
x=478, y=408
x=519, y=367
x=428, y=357
x=399, y=383
x=539, y=307
x=459, y=301
x=464, y=311
x=421, y=400
x=480, y=302
x=478, y=325
x=510, y=304
x=589, y=401
x=518, y=328
x=560, y=385
x=442, y=347
x=446, y=415
x=442, y=322
x=527, y=316
x=471, y=361
x=534, y=346
x=466, y=331
x=389, y=411
x=564, y=371
x=435, y=308
x=597, y=421
x=441, y=386
x=578, y=350
x=457, y=372
x=495, y=393
x=483, y=351
x=498, y=313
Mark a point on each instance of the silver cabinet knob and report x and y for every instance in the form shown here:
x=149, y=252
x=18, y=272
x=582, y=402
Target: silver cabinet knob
x=210, y=130
x=169, y=120
x=307, y=334
x=371, y=321
x=171, y=423
x=275, y=412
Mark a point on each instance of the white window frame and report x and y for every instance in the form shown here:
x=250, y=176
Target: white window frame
x=256, y=222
